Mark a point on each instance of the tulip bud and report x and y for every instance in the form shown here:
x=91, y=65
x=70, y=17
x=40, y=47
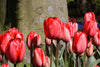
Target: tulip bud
x=33, y=39
x=13, y=31
x=48, y=41
x=47, y=61
x=66, y=35
x=36, y=40
x=4, y=40
x=73, y=28
x=97, y=66
x=69, y=25
x=96, y=38
x=19, y=35
x=38, y=57
x=89, y=50
x=16, y=50
x=89, y=16
x=5, y=65
x=89, y=28
x=53, y=28
x=79, y=43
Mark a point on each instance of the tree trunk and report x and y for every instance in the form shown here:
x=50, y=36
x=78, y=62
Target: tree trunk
x=2, y=14
x=29, y=15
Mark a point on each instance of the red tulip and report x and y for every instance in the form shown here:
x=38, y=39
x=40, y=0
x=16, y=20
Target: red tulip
x=38, y=57
x=66, y=34
x=89, y=50
x=16, y=50
x=5, y=65
x=72, y=28
x=52, y=28
x=19, y=35
x=75, y=26
x=34, y=39
x=4, y=40
x=13, y=31
x=47, y=61
x=79, y=43
x=96, y=38
x=89, y=16
x=97, y=66
x=48, y=41
x=89, y=28
x=69, y=25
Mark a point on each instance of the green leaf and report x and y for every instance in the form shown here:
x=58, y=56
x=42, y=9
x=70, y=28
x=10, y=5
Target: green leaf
x=94, y=63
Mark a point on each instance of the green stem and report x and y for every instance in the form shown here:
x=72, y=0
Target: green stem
x=70, y=55
x=84, y=59
x=51, y=53
x=57, y=47
x=88, y=61
x=76, y=61
x=79, y=61
x=15, y=65
x=31, y=57
x=65, y=54
x=3, y=58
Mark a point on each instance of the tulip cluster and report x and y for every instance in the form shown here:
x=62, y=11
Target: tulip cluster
x=12, y=44
x=38, y=58
x=78, y=42
x=55, y=29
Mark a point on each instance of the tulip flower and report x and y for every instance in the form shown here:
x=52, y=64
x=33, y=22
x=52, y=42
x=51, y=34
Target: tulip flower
x=89, y=28
x=38, y=57
x=97, y=66
x=33, y=38
x=96, y=38
x=72, y=28
x=79, y=42
x=89, y=16
x=47, y=61
x=4, y=40
x=5, y=65
x=89, y=50
x=13, y=31
x=52, y=28
x=48, y=41
x=6, y=37
x=16, y=50
x=66, y=34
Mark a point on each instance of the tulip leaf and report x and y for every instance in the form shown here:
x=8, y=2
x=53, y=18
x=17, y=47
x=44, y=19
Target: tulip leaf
x=61, y=51
x=11, y=64
x=94, y=63
x=53, y=63
x=23, y=65
x=61, y=62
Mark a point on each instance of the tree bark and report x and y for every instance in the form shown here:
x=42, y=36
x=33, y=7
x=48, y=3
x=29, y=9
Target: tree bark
x=2, y=14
